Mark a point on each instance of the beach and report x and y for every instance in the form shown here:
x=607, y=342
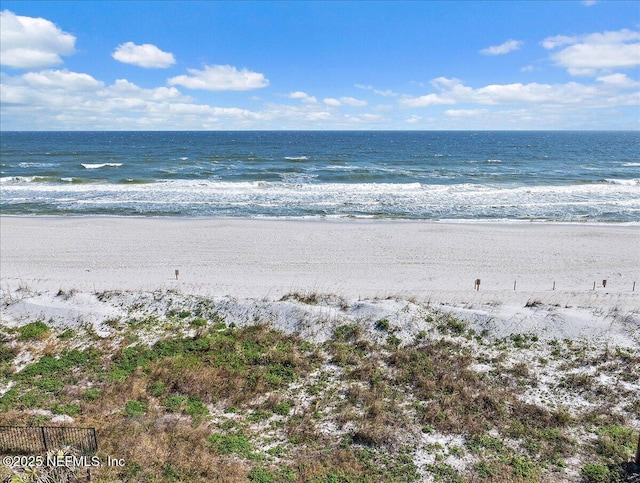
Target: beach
x=561, y=266
x=268, y=258
x=542, y=335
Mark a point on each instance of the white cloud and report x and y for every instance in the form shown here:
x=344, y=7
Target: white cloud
x=124, y=88
x=595, y=53
x=452, y=91
x=62, y=79
x=589, y=3
x=303, y=96
x=426, y=101
x=366, y=118
x=504, y=48
x=221, y=78
x=330, y=101
x=353, y=102
x=347, y=101
x=71, y=100
x=461, y=113
x=145, y=55
x=385, y=93
x=619, y=80
x=32, y=43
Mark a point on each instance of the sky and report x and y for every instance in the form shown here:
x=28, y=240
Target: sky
x=320, y=65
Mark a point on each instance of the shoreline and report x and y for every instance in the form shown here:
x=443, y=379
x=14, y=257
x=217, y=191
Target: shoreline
x=329, y=219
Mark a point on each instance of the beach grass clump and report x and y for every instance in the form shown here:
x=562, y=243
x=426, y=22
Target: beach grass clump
x=307, y=298
x=37, y=330
x=452, y=326
x=237, y=444
x=347, y=332
x=597, y=473
x=615, y=443
x=382, y=325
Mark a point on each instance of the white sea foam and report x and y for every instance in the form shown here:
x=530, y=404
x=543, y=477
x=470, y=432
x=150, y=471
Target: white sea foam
x=299, y=197
x=36, y=165
x=22, y=179
x=631, y=165
x=101, y=165
x=625, y=182
x=296, y=158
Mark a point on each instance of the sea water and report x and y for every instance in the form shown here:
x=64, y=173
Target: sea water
x=461, y=175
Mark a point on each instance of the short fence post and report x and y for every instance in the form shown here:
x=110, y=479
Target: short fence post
x=514, y=285
x=554, y=285
x=44, y=438
x=594, y=285
x=177, y=274
x=634, y=287
x=477, y=284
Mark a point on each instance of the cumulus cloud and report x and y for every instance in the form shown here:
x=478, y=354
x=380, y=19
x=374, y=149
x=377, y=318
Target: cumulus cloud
x=221, y=78
x=426, y=100
x=62, y=79
x=385, y=93
x=124, y=88
x=303, y=97
x=366, y=118
x=461, y=113
x=347, y=101
x=619, y=80
x=596, y=53
x=72, y=100
x=413, y=119
x=330, y=101
x=609, y=92
x=353, y=102
x=32, y=43
x=504, y=48
x=146, y=55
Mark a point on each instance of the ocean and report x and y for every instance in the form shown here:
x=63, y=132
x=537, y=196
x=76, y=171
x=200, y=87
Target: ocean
x=553, y=176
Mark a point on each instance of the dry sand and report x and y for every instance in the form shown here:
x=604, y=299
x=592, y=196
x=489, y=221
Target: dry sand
x=432, y=262
x=257, y=258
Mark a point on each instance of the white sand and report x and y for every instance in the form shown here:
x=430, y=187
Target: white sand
x=429, y=261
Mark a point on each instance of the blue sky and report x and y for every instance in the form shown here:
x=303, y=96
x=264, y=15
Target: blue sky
x=98, y=65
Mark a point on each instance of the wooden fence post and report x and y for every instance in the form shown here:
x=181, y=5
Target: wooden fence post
x=44, y=438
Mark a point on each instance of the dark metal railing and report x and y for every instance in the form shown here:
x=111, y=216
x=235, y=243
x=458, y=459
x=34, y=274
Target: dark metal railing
x=40, y=439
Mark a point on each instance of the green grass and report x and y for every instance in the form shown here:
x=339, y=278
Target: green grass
x=135, y=409
x=231, y=444
x=33, y=330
